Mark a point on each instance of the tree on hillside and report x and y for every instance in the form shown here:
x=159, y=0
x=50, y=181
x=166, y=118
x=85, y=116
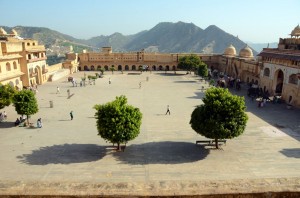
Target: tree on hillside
x=222, y=116
x=25, y=103
x=189, y=63
x=118, y=122
x=6, y=95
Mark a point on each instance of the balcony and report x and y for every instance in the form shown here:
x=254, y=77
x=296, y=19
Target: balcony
x=36, y=59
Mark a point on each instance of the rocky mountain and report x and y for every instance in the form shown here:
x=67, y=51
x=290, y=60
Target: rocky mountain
x=164, y=37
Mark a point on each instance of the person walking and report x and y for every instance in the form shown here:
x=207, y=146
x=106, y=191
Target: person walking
x=168, y=110
x=39, y=123
x=57, y=90
x=71, y=115
x=109, y=81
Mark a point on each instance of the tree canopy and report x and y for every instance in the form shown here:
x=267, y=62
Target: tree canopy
x=25, y=103
x=202, y=69
x=6, y=95
x=191, y=62
x=118, y=122
x=222, y=116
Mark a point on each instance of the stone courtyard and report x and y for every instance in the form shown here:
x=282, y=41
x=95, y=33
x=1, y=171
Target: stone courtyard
x=68, y=157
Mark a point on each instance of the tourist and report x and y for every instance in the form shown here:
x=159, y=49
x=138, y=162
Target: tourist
x=4, y=115
x=168, y=110
x=57, y=90
x=17, y=122
x=71, y=115
x=39, y=123
x=109, y=82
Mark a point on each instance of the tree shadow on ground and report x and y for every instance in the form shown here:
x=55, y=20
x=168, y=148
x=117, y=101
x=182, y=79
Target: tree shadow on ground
x=198, y=95
x=292, y=152
x=64, y=154
x=5, y=124
x=162, y=153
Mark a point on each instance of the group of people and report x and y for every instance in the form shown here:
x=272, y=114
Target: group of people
x=22, y=119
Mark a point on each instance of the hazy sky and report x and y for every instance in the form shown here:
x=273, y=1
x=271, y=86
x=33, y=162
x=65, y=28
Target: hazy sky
x=252, y=20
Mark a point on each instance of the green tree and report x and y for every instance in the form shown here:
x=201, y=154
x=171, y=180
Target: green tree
x=189, y=63
x=117, y=121
x=25, y=103
x=112, y=69
x=202, y=69
x=6, y=95
x=222, y=116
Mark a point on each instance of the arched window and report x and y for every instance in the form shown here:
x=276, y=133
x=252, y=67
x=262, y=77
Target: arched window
x=267, y=72
x=15, y=65
x=7, y=66
x=293, y=79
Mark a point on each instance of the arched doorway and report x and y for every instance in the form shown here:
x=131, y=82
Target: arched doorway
x=38, y=77
x=85, y=68
x=279, y=78
x=153, y=67
x=92, y=68
x=106, y=68
x=119, y=67
x=79, y=68
x=160, y=68
x=133, y=67
x=126, y=67
x=99, y=68
x=167, y=68
x=174, y=68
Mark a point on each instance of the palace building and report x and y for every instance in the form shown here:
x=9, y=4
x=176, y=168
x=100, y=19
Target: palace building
x=276, y=70
x=22, y=61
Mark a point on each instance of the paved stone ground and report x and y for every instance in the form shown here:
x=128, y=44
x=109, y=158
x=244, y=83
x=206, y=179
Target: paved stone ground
x=67, y=157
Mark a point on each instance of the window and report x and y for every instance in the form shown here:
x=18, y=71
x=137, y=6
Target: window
x=15, y=65
x=267, y=72
x=293, y=79
x=7, y=66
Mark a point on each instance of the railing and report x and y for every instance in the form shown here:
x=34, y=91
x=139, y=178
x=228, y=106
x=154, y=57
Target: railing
x=36, y=59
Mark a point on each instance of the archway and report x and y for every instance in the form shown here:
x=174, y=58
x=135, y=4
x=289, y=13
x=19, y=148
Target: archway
x=119, y=67
x=106, y=68
x=38, y=77
x=98, y=67
x=167, y=68
x=92, y=68
x=160, y=68
x=79, y=68
x=267, y=72
x=153, y=67
x=126, y=67
x=279, y=78
x=85, y=68
x=174, y=68
x=133, y=67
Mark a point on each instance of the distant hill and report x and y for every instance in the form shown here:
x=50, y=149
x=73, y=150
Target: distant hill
x=259, y=46
x=164, y=37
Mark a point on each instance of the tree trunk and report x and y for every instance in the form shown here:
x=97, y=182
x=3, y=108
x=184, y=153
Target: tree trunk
x=217, y=143
x=27, y=117
x=118, y=146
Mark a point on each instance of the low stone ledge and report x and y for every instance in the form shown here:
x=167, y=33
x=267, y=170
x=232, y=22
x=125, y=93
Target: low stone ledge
x=279, y=187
